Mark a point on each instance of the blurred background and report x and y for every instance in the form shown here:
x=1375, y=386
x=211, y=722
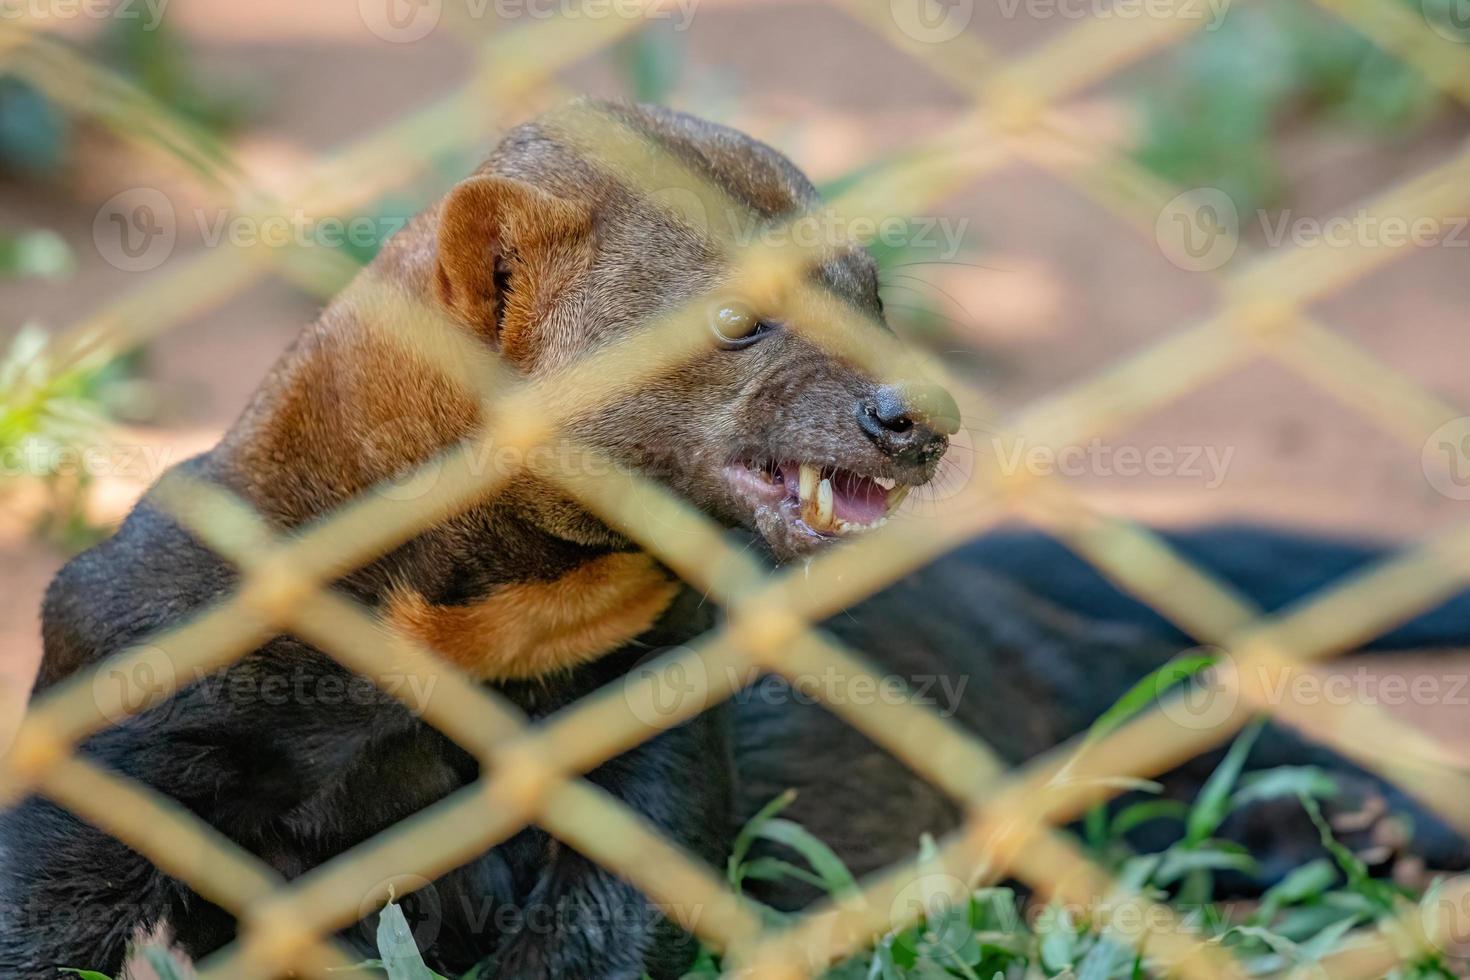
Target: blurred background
x=1275, y=115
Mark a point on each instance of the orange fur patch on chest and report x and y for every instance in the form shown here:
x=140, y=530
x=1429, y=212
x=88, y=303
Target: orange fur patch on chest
x=528, y=629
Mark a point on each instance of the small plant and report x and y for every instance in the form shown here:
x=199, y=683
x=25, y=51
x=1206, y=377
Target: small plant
x=40, y=254
x=1229, y=91
x=49, y=413
x=650, y=61
x=157, y=958
x=156, y=58
x=36, y=133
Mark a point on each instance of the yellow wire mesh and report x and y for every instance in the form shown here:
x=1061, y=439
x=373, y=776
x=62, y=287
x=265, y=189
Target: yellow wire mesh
x=534, y=773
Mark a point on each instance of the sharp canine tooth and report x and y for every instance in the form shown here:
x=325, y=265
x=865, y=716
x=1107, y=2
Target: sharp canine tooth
x=809, y=476
x=824, y=504
x=895, y=497
x=807, y=493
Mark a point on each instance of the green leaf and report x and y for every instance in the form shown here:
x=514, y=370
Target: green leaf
x=704, y=967
x=1058, y=936
x=85, y=974
x=1147, y=691
x=41, y=254
x=1138, y=871
x=1095, y=827
x=1102, y=960
x=1326, y=941
x=824, y=861
x=650, y=59
x=775, y=869
x=1181, y=861
x=750, y=832
x=401, y=957
x=163, y=964
x=1136, y=814
x=885, y=960
x=1284, y=781
x=1380, y=897
x=1278, y=944
x=1213, y=805
x=1310, y=881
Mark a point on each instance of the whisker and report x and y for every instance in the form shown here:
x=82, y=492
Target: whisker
x=958, y=262
x=954, y=325
x=932, y=286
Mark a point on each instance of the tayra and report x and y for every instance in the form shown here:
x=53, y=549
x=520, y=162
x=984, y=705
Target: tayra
x=541, y=257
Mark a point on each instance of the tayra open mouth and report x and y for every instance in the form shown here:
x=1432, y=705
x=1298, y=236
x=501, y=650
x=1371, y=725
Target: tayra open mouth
x=825, y=501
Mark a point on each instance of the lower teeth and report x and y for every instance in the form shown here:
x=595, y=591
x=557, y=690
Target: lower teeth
x=817, y=502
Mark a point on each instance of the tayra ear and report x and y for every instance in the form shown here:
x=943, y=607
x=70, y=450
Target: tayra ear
x=505, y=248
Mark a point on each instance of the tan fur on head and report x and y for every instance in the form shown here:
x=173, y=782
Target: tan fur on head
x=494, y=232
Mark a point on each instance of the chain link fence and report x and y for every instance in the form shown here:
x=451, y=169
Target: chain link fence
x=534, y=774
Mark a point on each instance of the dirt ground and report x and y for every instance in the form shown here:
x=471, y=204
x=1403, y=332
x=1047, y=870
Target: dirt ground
x=1056, y=288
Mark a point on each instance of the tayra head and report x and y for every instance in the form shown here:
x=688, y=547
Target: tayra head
x=594, y=224
x=597, y=223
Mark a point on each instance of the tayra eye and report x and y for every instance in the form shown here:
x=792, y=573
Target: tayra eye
x=736, y=325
